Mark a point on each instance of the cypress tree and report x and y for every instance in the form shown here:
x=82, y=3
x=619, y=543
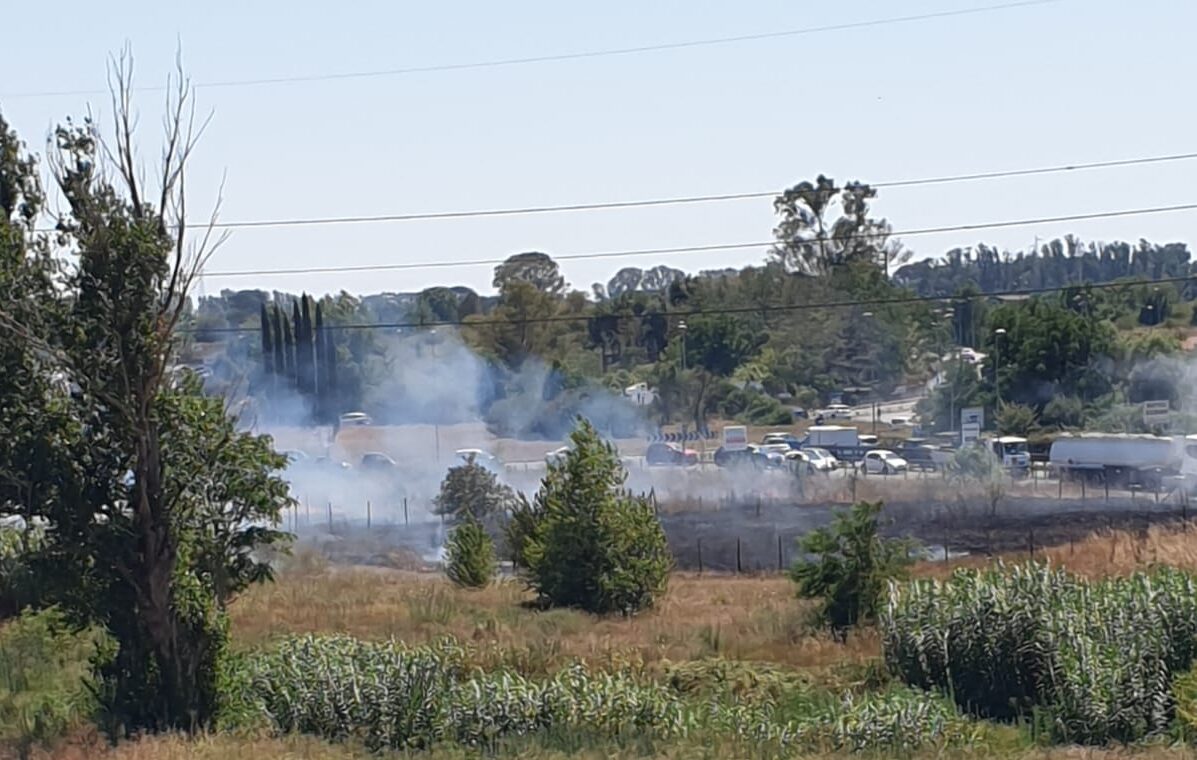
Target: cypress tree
x=280, y=364
x=267, y=347
x=303, y=345
x=296, y=351
x=320, y=366
x=289, y=350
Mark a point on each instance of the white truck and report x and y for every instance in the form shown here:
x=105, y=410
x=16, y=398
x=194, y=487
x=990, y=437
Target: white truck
x=1011, y=451
x=832, y=436
x=1122, y=459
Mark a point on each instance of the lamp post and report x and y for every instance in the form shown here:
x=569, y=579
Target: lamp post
x=681, y=328
x=997, y=366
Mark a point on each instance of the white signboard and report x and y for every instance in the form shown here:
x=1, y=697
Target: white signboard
x=972, y=415
x=735, y=438
x=969, y=433
x=1156, y=412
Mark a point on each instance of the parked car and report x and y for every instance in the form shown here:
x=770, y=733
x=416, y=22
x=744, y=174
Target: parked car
x=883, y=462
x=669, y=454
x=800, y=462
x=788, y=439
x=355, y=419
x=773, y=454
x=837, y=412
x=295, y=457
x=328, y=463
x=725, y=457
x=479, y=457
x=556, y=455
x=822, y=459
x=377, y=461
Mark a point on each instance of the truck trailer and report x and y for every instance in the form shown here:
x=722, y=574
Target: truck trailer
x=1117, y=459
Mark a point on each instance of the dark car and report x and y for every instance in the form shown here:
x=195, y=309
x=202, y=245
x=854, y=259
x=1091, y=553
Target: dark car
x=377, y=462
x=737, y=457
x=669, y=454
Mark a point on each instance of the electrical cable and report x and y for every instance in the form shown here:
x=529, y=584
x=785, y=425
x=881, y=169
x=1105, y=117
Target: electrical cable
x=585, y=54
x=762, y=309
x=711, y=247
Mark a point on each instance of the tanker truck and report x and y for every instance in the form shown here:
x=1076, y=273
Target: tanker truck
x=1118, y=459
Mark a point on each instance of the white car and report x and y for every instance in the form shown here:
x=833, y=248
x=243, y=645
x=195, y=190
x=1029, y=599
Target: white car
x=773, y=454
x=479, y=457
x=822, y=459
x=556, y=455
x=353, y=419
x=838, y=412
x=883, y=462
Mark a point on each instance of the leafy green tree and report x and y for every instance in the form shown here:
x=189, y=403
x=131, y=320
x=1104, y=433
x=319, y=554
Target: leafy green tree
x=849, y=567
x=470, y=556
x=153, y=503
x=1016, y=419
x=1063, y=412
x=1047, y=349
x=595, y=545
x=534, y=268
x=472, y=492
x=715, y=347
x=812, y=240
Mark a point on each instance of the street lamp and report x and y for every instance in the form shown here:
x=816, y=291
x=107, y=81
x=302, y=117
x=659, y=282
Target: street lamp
x=681, y=328
x=997, y=366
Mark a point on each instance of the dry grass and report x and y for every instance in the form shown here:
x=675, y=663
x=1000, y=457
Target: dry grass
x=748, y=618
x=220, y=747
x=1103, y=554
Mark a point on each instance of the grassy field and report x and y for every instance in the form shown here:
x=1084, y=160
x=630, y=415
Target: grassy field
x=754, y=621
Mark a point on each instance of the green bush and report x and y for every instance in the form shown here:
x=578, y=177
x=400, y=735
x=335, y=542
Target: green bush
x=849, y=566
x=470, y=556
x=18, y=588
x=472, y=492
x=595, y=545
x=44, y=673
x=1093, y=660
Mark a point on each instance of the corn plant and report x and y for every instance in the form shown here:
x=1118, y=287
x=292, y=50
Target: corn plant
x=1095, y=659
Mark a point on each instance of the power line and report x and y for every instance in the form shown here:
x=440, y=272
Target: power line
x=683, y=200
x=585, y=54
x=712, y=247
x=763, y=309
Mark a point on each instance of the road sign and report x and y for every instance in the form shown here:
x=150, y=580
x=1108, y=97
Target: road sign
x=1156, y=412
x=972, y=415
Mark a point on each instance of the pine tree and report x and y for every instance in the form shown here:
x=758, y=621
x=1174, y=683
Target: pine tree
x=280, y=362
x=595, y=546
x=470, y=555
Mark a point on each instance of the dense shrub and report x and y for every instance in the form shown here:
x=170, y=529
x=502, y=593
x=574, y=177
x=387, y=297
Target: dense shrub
x=470, y=555
x=595, y=545
x=386, y=695
x=1095, y=659
x=848, y=566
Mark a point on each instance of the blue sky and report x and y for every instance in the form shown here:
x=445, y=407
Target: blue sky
x=1065, y=82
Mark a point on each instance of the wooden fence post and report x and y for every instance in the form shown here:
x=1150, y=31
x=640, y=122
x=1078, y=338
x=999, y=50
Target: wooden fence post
x=405, y=510
x=700, y=555
x=367, y=514
x=739, y=565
